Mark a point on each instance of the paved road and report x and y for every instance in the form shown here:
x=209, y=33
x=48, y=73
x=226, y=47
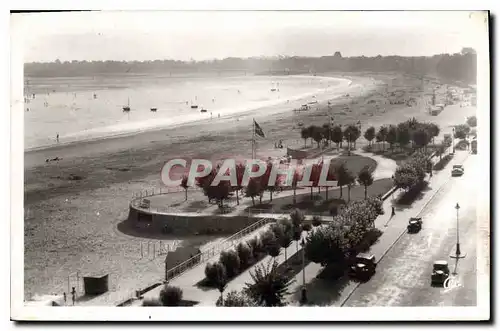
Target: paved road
x=403, y=276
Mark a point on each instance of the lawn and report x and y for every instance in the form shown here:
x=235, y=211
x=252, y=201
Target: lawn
x=319, y=203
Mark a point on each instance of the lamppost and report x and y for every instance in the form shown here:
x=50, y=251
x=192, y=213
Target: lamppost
x=458, y=253
x=453, y=140
x=303, y=296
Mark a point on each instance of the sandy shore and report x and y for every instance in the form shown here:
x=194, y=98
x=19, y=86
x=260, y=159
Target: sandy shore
x=70, y=225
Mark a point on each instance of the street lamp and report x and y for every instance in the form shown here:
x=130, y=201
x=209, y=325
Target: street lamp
x=303, y=296
x=458, y=254
x=453, y=141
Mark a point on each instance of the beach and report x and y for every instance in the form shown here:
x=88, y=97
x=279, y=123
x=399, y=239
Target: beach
x=71, y=225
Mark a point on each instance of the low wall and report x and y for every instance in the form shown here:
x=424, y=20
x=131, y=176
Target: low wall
x=187, y=224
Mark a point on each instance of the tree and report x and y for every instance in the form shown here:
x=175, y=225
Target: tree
x=265, y=181
x=231, y=263
x=420, y=138
x=311, y=129
x=472, y=121
x=337, y=135
x=461, y=131
x=240, y=172
x=297, y=177
x=245, y=254
x=185, y=185
x=283, y=232
x=350, y=180
x=170, y=296
x=316, y=221
x=297, y=217
x=305, y=134
x=317, y=134
x=432, y=130
x=330, y=176
x=327, y=132
x=236, y=299
x=216, y=274
x=351, y=134
x=271, y=243
x=220, y=192
x=370, y=134
x=365, y=178
x=403, y=135
x=325, y=246
x=269, y=286
x=342, y=176
x=253, y=189
x=392, y=135
x=382, y=135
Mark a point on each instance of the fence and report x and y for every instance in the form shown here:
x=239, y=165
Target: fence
x=204, y=256
x=153, y=249
x=161, y=190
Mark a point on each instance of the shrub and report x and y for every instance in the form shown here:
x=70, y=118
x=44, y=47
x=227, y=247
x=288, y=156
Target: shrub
x=213, y=272
x=297, y=217
x=151, y=303
x=256, y=246
x=244, y=254
x=231, y=262
x=236, y=299
x=316, y=221
x=170, y=296
x=274, y=249
x=267, y=238
x=306, y=227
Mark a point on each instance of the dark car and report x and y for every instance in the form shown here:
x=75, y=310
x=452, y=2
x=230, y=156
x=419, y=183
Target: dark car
x=414, y=224
x=363, y=267
x=440, y=272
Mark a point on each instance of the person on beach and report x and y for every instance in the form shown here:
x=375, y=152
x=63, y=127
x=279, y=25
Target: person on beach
x=393, y=213
x=218, y=115
x=57, y=137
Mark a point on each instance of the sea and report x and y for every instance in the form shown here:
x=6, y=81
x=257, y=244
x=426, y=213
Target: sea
x=86, y=108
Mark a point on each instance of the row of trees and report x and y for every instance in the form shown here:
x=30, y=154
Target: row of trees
x=327, y=133
x=460, y=66
x=269, y=286
x=417, y=133
x=258, y=185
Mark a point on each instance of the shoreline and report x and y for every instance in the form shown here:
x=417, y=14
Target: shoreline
x=294, y=102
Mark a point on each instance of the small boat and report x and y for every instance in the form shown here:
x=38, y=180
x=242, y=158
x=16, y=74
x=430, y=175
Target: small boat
x=273, y=90
x=203, y=110
x=126, y=108
x=194, y=106
x=153, y=110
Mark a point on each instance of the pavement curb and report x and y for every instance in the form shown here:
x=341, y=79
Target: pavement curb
x=395, y=241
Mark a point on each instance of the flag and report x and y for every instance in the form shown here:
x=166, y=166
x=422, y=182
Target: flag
x=258, y=130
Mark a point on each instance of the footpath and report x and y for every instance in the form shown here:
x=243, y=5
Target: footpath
x=323, y=292
x=208, y=296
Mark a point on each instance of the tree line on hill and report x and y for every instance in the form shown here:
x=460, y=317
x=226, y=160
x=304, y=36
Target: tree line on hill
x=458, y=67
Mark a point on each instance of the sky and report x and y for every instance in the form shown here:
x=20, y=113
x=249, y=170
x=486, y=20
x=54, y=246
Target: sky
x=205, y=35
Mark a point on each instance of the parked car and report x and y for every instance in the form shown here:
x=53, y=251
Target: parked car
x=414, y=224
x=457, y=170
x=363, y=267
x=440, y=272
